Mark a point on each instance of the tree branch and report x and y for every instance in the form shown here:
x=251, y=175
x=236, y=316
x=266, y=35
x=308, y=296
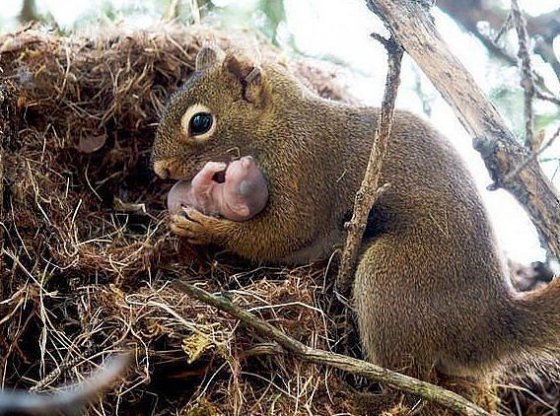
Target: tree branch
x=526, y=70
x=369, y=192
x=413, y=28
x=545, y=27
x=536, y=152
x=352, y=365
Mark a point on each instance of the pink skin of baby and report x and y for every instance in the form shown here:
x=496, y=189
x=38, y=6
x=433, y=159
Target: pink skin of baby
x=242, y=195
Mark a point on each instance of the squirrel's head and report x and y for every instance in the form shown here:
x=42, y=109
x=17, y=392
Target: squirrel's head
x=214, y=117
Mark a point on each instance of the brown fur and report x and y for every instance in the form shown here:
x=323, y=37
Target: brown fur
x=430, y=290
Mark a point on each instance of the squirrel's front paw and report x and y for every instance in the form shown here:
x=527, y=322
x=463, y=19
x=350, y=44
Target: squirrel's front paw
x=196, y=227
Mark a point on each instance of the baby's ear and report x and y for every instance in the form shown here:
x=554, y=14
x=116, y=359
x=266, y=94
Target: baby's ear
x=250, y=76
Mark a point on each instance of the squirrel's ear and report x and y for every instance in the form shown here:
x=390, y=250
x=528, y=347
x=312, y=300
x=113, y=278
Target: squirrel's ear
x=207, y=57
x=250, y=77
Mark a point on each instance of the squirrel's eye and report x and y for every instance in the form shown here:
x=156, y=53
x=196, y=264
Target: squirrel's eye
x=200, y=123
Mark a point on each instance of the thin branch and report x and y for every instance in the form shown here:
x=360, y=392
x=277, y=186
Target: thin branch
x=547, y=97
x=544, y=47
x=526, y=70
x=501, y=53
x=532, y=157
x=505, y=27
x=543, y=28
x=352, y=365
x=369, y=192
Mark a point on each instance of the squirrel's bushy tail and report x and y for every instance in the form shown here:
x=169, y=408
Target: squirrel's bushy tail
x=532, y=327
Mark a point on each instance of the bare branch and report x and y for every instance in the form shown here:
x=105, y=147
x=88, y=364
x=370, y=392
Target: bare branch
x=547, y=97
x=544, y=28
x=526, y=70
x=534, y=155
x=505, y=27
x=352, y=365
x=545, y=49
x=368, y=192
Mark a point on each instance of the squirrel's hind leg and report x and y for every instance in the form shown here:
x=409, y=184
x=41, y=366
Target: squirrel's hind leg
x=400, y=331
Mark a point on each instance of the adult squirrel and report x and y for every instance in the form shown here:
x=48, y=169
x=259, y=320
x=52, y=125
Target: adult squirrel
x=430, y=289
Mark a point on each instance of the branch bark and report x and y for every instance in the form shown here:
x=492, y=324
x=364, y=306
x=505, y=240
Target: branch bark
x=414, y=29
x=526, y=70
x=369, y=191
x=370, y=371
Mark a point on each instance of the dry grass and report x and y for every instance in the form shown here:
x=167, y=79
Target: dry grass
x=88, y=264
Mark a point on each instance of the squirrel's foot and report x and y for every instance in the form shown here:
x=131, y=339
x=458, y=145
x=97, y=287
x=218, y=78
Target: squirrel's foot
x=197, y=227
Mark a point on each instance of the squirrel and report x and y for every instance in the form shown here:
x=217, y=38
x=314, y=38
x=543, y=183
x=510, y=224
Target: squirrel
x=430, y=290
x=240, y=195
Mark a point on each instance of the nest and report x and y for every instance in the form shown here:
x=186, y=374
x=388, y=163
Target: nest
x=88, y=261
x=88, y=264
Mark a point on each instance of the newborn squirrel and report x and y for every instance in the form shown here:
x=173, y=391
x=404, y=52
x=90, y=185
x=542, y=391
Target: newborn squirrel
x=430, y=290
x=241, y=195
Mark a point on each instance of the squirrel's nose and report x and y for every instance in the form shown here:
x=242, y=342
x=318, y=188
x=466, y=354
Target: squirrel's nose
x=161, y=168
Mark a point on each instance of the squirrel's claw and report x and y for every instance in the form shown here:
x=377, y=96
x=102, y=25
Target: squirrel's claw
x=193, y=225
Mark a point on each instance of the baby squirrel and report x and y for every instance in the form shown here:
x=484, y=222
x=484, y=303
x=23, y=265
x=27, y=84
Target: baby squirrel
x=241, y=193
x=430, y=290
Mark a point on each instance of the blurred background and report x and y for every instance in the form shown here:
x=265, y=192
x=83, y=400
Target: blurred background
x=336, y=35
